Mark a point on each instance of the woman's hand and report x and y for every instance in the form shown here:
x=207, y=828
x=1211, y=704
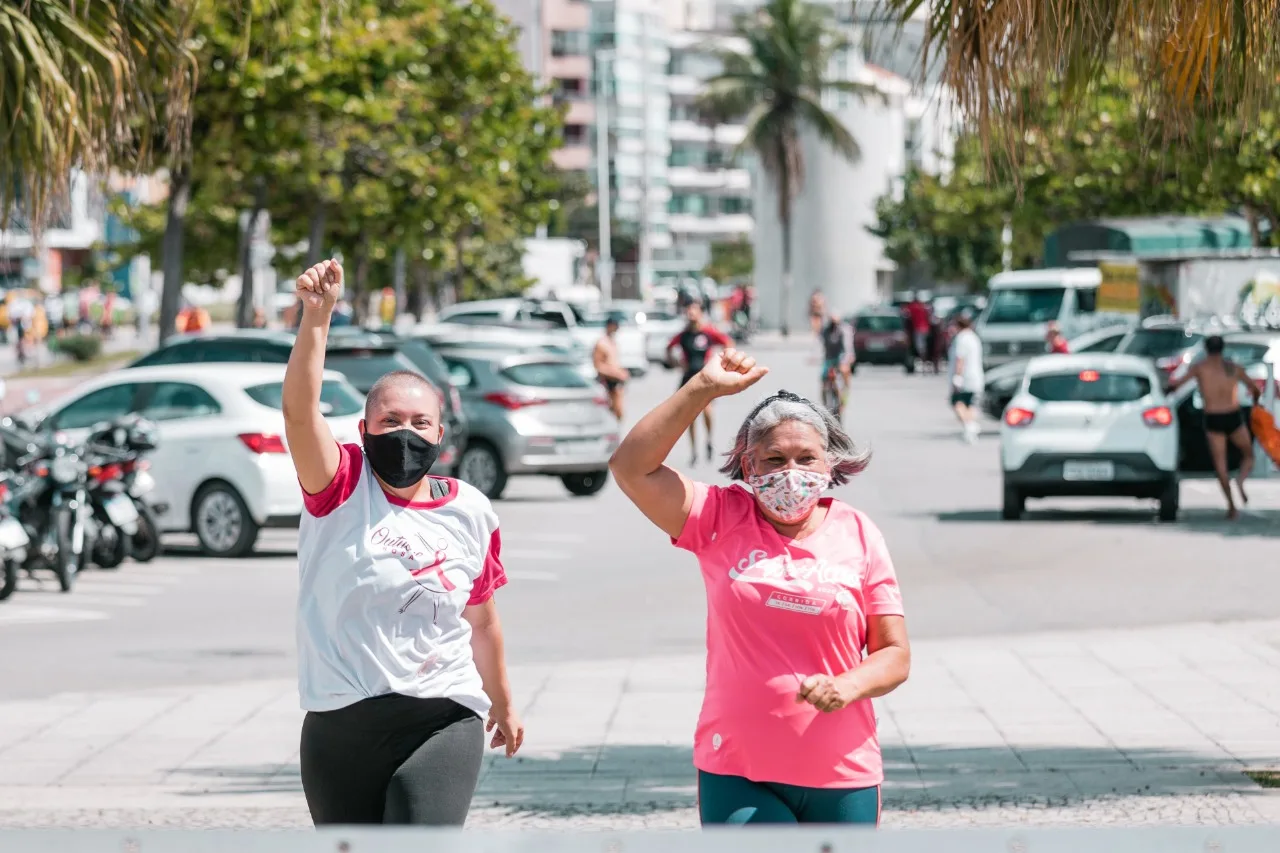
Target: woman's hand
x=320, y=286
x=731, y=372
x=828, y=692
x=510, y=731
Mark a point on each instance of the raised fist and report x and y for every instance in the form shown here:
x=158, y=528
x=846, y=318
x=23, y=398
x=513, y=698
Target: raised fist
x=320, y=287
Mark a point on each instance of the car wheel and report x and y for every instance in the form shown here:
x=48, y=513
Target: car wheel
x=1169, y=501
x=909, y=366
x=222, y=523
x=1015, y=504
x=585, y=485
x=482, y=467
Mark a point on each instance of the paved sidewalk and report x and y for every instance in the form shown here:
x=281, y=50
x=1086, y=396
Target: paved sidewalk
x=1123, y=727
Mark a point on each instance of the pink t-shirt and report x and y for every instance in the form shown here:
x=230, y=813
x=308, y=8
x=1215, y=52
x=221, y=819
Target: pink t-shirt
x=778, y=611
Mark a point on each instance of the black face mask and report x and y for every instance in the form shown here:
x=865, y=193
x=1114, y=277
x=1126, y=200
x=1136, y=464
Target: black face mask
x=400, y=457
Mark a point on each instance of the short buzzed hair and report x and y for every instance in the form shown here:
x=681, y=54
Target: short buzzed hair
x=1214, y=345
x=398, y=379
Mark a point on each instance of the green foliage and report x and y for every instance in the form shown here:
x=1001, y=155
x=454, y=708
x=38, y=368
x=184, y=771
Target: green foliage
x=731, y=260
x=1078, y=162
x=81, y=348
x=381, y=125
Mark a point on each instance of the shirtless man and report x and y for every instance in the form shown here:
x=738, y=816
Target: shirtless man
x=610, y=373
x=1218, y=380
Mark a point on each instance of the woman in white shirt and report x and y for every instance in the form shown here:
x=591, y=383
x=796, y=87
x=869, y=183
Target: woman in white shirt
x=400, y=651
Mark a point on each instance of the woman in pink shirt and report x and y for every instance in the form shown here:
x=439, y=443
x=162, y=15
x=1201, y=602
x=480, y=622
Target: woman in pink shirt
x=804, y=618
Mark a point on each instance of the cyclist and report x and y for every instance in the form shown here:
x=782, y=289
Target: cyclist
x=837, y=354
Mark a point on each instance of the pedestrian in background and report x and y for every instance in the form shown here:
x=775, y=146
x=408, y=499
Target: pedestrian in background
x=965, y=373
x=400, y=650
x=817, y=310
x=918, y=316
x=1056, y=341
x=797, y=586
x=610, y=372
x=694, y=341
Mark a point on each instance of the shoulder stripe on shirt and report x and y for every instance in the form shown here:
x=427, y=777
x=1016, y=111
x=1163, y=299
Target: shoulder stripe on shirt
x=493, y=576
x=343, y=485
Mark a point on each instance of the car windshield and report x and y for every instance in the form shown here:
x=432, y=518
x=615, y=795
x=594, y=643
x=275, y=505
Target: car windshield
x=365, y=367
x=1158, y=343
x=1244, y=354
x=1025, y=305
x=1089, y=386
x=337, y=399
x=546, y=374
x=878, y=323
x=1104, y=344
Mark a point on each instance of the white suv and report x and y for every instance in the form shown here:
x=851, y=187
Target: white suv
x=1089, y=425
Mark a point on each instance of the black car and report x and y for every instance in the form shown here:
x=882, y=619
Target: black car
x=1170, y=344
x=361, y=356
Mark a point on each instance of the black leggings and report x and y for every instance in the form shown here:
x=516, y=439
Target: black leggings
x=392, y=759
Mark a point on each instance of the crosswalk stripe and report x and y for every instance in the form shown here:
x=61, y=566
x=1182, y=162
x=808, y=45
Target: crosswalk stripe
x=17, y=614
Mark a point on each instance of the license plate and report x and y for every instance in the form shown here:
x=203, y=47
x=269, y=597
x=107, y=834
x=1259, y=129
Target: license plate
x=580, y=446
x=877, y=346
x=121, y=511
x=12, y=534
x=1084, y=470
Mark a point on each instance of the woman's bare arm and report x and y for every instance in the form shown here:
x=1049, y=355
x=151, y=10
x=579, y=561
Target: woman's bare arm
x=311, y=444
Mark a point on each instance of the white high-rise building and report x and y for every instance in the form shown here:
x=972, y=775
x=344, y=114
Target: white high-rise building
x=630, y=53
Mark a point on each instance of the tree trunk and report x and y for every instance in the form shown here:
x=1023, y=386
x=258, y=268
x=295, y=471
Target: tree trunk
x=784, y=219
x=245, y=304
x=315, y=236
x=359, y=278
x=175, y=232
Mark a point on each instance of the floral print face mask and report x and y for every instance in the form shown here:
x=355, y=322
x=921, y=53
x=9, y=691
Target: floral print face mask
x=789, y=495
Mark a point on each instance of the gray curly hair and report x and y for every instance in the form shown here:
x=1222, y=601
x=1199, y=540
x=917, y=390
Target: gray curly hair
x=843, y=456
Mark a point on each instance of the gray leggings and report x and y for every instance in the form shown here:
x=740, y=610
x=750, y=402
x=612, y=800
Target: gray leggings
x=392, y=759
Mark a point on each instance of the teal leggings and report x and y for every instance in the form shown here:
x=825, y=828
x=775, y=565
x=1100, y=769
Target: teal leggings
x=735, y=800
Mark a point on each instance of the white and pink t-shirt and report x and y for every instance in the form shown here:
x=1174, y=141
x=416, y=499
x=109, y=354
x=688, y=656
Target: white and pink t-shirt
x=383, y=584
x=778, y=611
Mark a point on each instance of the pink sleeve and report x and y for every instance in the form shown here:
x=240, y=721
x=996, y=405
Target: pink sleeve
x=880, y=587
x=492, y=576
x=700, y=526
x=350, y=461
x=718, y=337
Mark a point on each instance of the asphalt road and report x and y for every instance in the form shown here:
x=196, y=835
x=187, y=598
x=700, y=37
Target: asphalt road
x=590, y=578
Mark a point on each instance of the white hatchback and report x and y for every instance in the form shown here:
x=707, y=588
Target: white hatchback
x=1089, y=425
x=221, y=466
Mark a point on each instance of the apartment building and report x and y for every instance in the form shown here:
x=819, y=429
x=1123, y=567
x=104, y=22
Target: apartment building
x=630, y=51
x=555, y=43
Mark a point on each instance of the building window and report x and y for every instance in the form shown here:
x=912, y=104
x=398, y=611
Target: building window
x=568, y=43
x=692, y=205
x=570, y=88
x=575, y=134
x=734, y=205
x=683, y=154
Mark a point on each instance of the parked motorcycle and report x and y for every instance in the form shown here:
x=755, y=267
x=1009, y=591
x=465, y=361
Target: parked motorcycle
x=51, y=492
x=13, y=542
x=116, y=489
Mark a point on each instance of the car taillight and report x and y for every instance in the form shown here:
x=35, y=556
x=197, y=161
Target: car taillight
x=511, y=402
x=263, y=442
x=1160, y=416
x=1173, y=362
x=1016, y=417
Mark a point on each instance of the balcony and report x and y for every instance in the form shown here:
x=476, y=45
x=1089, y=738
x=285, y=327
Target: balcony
x=684, y=85
x=724, y=224
x=569, y=67
x=567, y=15
x=709, y=178
x=572, y=158
x=582, y=110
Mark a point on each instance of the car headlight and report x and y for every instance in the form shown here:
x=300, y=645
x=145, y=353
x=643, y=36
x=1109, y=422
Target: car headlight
x=64, y=469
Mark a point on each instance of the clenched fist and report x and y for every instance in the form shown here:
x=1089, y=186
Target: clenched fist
x=320, y=287
x=732, y=371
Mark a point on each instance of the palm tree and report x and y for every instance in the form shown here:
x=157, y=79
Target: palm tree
x=1201, y=60
x=776, y=87
x=79, y=78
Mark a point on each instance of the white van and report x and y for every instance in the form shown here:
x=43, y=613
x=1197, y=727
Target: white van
x=1021, y=304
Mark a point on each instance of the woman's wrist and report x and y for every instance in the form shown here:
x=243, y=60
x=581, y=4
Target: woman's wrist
x=851, y=686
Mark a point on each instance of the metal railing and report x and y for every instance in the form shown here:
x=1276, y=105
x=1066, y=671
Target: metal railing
x=1258, y=839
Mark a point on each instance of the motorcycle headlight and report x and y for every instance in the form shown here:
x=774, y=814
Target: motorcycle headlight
x=64, y=469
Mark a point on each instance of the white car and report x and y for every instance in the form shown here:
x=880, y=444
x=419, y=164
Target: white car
x=220, y=465
x=1090, y=425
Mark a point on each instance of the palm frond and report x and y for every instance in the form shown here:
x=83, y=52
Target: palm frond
x=828, y=128
x=1198, y=59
